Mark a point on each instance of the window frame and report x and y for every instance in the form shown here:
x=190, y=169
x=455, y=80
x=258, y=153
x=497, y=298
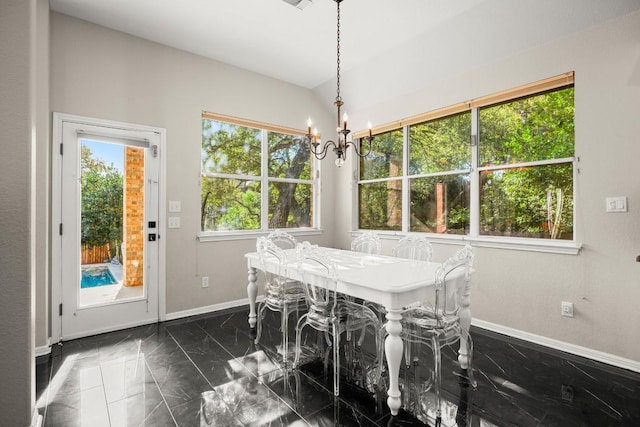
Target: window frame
x=504, y=242
x=265, y=180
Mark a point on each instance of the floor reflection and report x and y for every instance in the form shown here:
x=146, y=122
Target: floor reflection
x=208, y=371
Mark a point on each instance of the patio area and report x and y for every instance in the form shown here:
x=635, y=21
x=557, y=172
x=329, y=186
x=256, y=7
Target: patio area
x=106, y=294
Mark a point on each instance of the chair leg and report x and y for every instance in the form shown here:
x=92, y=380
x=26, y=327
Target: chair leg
x=284, y=325
x=260, y=316
x=336, y=361
x=299, y=327
x=469, y=358
x=380, y=350
x=437, y=362
x=407, y=354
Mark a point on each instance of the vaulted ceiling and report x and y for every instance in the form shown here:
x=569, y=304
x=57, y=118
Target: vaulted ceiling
x=274, y=38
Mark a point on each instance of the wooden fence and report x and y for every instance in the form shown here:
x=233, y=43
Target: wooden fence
x=94, y=255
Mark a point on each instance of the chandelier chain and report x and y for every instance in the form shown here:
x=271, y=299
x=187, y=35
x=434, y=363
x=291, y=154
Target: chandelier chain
x=338, y=58
x=341, y=144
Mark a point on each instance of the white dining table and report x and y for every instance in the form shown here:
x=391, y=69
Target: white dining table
x=389, y=281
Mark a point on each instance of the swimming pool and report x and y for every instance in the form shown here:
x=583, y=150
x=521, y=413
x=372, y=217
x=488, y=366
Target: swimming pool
x=97, y=276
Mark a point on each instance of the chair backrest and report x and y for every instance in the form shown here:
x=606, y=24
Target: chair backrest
x=368, y=242
x=415, y=248
x=319, y=278
x=268, y=250
x=282, y=239
x=453, y=282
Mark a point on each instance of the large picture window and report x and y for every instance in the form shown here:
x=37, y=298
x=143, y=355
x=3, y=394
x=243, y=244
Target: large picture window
x=499, y=166
x=254, y=177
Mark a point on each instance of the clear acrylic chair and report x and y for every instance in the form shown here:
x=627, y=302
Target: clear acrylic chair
x=331, y=316
x=282, y=239
x=414, y=248
x=368, y=242
x=281, y=294
x=440, y=322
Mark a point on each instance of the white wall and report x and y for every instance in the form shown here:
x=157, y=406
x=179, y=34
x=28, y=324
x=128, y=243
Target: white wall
x=101, y=73
x=523, y=290
x=43, y=148
x=17, y=225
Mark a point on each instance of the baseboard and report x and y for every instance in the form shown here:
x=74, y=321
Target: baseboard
x=208, y=308
x=43, y=350
x=589, y=353
x=110, y=329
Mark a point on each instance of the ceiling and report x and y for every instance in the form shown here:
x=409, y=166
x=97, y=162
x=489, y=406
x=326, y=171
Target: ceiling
x=276, y=39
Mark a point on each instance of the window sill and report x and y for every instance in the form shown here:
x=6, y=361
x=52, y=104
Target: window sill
x=510, y=243
x=220, y=236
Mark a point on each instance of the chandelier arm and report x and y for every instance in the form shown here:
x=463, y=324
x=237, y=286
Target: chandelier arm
x=355, y=146
x=313, y=148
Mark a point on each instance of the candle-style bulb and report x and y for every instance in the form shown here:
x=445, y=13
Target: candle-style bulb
x=344, y=120
x=309, y=122
x=369, y=127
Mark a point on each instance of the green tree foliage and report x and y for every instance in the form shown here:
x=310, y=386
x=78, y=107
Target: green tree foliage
x=535, y=201
x=102, y=203
x=381, y=202
x=527, y=201
x=440, y=204
x=233, y=201
x=289, y=203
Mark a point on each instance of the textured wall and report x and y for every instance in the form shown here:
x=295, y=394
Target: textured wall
x=17, y=88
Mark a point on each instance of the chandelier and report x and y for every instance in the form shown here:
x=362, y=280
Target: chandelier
x=342, y=143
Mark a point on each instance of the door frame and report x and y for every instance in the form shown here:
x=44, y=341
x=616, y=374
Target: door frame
x=56, y=212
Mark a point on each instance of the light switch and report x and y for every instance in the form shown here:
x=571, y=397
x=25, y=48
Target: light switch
x=616, y=204
x=175, y=206
x=174, y=222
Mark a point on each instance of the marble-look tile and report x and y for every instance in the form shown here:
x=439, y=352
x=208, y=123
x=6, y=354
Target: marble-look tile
x=83, y=408
x=125, y=378
x=179, y=383
x=207, y=371
x=204, y=352
x=70, y=374
x=207, y=411
x=146, y=408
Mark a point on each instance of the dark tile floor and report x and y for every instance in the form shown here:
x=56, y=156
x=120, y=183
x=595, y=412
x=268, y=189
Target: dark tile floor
x=206, y=371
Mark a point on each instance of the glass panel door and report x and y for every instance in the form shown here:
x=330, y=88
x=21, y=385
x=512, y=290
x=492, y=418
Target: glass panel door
x=112, y=223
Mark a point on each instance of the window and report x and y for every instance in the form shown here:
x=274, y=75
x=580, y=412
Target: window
x=525, y=150
x=254, y=177
x=440, y=168
x=380, y=189
x=501, y=165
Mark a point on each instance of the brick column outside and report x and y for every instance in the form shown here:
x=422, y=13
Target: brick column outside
x=394, y=196
x=133, y=216
x=441, y=206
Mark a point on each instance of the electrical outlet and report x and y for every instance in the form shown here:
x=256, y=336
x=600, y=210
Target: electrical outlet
x=567, y=309
x=205, y=281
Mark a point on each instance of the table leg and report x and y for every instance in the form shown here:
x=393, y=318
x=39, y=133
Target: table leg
x=252, y=292
x=393, y=352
